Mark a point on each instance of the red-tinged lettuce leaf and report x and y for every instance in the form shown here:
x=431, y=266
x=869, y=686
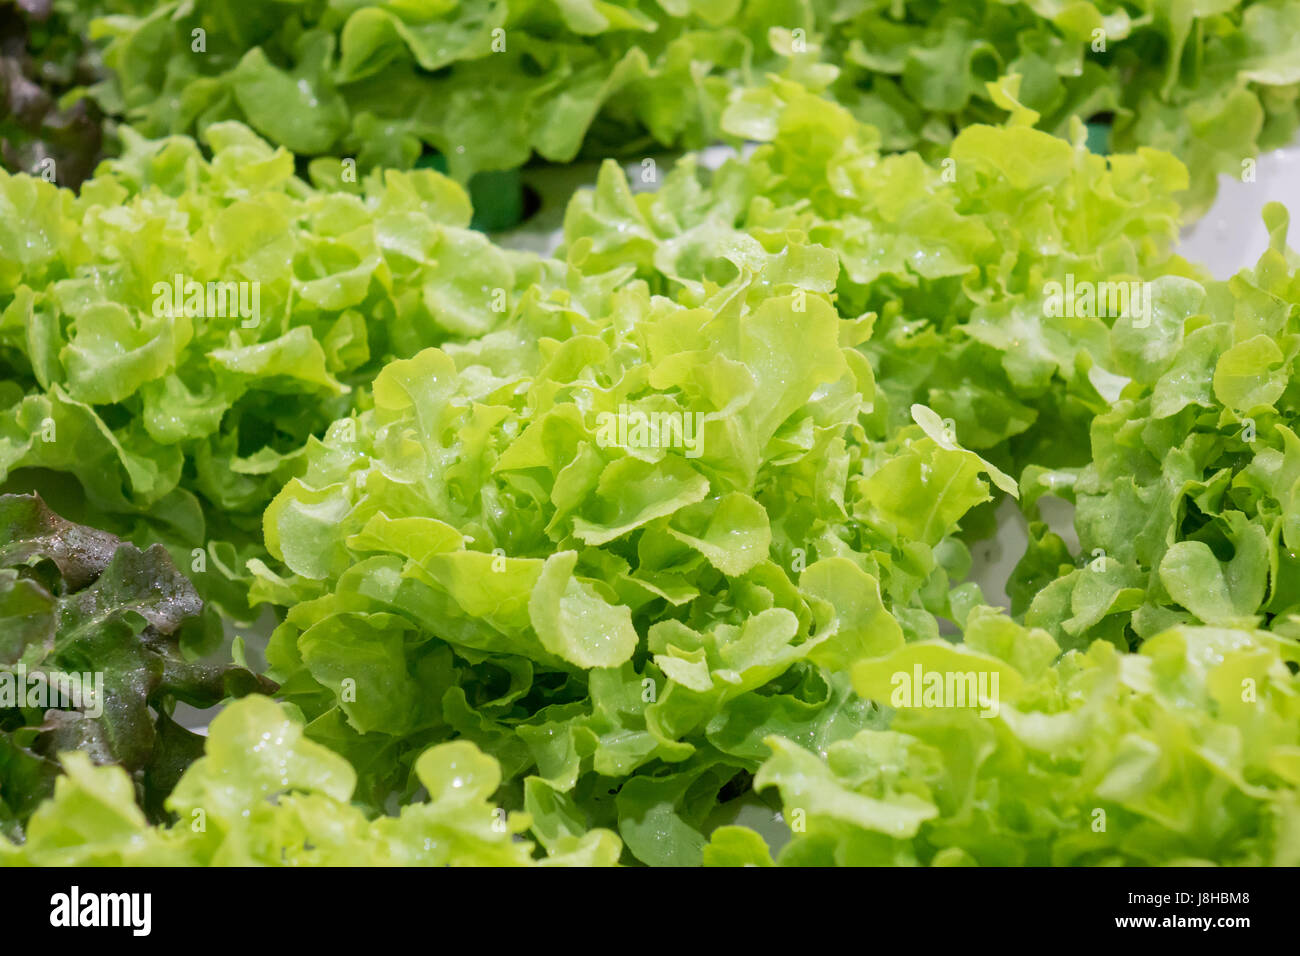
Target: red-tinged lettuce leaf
x=45, y=55
x=78, y=604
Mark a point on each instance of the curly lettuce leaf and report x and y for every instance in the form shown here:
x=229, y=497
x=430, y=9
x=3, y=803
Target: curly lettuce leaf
x=1212, y=83
x=177, y=331
x=112, y=635
x=264, y=795
x=1182, y=752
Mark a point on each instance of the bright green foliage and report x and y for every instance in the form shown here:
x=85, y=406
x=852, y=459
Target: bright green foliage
x=1187, y=513
x=264, y=795
x=482, y=554
x=953, y=258
x=181, y=414
x=1183, y=753
x=487, y=83
x=626, y=536
x=503, y=550
x=1213, y=83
